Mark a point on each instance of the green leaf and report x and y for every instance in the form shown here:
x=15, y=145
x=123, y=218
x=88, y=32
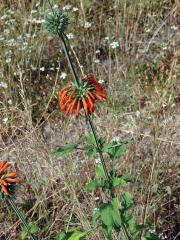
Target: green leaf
x=32, y=229
x=127, y=200
x=90, y=139
x=101, y=142
x=106, y=214
x=115, y=150
x=78, y=235
x=100, y=171
x=115, y=212
x=95, y=217
x=150, y=236
x=64, y=150
x=91, y=152
x=121, y=181
x=107, y=231
x=94, y=184
x=62, y=236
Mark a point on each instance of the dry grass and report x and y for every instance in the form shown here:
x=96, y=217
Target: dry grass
x=141, y=78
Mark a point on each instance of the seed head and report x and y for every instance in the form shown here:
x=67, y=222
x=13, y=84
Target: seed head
x=56, y=22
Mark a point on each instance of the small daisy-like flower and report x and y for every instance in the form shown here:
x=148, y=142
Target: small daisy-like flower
x=72, y=98
x=114, y=45
x=7, y=180
x=87, y=25
x=63, y=75
x=56, y=22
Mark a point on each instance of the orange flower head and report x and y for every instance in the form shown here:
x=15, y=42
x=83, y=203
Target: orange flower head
x=7, y=180
x=72, y=98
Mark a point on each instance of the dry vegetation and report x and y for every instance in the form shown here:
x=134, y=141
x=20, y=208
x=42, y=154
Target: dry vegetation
x=134, y=47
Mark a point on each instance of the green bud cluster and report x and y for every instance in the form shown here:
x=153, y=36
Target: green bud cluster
x=56, y=22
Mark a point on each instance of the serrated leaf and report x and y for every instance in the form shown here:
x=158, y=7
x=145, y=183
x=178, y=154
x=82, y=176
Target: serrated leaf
x=114, y=149
x=94, y=184
x=115, y=213
x=64, y=150
x=106, y=214
x=121, y=181
x=100, y=171
x=127, y=200
x=118, y=182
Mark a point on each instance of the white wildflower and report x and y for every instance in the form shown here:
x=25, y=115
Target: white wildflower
x=106, y=38
x=8, y=60
x=5, y=120
x=117, y=139
x=98, y=160
x=75, y=9
x=10, y=101
x=6, y=31
x=63, y=75
x=70, y=35
x=55, y=6
x=174, y=28
x=3, y=85
x=114, y=45
x=42, y=69
x=87, y=25
x=67, y=7
x=33, y=11
x=101, y=81
x=96, y=61
x=97, y=51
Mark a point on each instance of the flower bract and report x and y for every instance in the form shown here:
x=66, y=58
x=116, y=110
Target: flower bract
x=7, y=180
x=72, y=98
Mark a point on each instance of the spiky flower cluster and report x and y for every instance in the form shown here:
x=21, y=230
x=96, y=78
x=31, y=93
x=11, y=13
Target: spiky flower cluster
x=56, y=22
x=72, y=98
x=7, y=180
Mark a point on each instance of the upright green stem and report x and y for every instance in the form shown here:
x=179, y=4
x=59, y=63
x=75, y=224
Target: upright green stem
x=98, y=147
x=20, y=216
x=66, y=50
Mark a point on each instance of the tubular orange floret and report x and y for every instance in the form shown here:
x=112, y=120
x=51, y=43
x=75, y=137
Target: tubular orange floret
x=12, y=174
x=4, y=189
x=91, y=104
x=4, y=167
x=3, y=182
x=12, y=180
x=85, y=105
x=68, y=109
x=73, y=106
x=91, y=95
x=78, y=108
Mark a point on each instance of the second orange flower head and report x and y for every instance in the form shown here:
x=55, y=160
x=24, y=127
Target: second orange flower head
x=7, y=180
x=72, y=98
